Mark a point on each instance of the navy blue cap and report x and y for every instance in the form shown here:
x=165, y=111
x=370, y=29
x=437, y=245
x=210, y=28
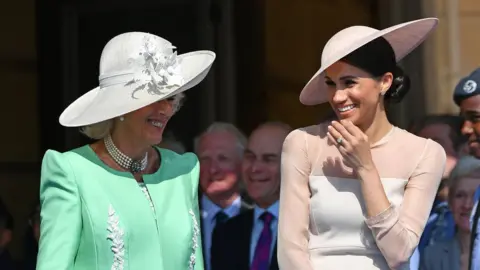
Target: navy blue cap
x=467, y=87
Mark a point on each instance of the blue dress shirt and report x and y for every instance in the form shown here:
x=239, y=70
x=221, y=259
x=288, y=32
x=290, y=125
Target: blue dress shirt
x=258, y=227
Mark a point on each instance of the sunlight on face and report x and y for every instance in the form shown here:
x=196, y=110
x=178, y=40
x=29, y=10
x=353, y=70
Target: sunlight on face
x=470, y=109
x=220, y=162
x=148, y=123
x=353, y=93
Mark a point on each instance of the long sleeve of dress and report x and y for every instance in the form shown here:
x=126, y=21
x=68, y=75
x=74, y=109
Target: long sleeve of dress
x=60, y=214
x=397, y=230
x=293, y=234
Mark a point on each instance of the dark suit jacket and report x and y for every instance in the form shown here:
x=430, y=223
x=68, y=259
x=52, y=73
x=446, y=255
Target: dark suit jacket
x=476, y=217
x=231, y=244
x=244, y=207
x=6, y=261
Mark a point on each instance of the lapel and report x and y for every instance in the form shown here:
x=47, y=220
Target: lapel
x=476, y=219
x=246, y=229
x=273, y=260
x=244, y=240
x=245, y=206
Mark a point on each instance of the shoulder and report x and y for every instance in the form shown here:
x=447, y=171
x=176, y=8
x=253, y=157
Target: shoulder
x=236, y=223
x=423, y=149
x=306, y=135
x=314, y=130
x=54, y=159
x=411, y=140
x=244, y=216
x=73, y=156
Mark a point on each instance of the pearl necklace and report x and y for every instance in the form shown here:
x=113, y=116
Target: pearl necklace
x=134, y=166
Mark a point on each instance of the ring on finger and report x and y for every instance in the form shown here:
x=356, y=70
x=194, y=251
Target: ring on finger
x=339, y=140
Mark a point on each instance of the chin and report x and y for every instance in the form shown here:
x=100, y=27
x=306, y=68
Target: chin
x=155, y=140
x=475, y=152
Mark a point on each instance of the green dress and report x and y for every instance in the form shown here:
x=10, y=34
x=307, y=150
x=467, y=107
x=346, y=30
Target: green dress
x=94, y=217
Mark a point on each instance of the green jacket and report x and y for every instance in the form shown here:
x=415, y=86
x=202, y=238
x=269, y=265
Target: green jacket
x=94, y=217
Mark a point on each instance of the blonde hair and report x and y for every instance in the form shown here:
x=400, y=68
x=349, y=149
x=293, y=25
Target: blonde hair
x=100, y=130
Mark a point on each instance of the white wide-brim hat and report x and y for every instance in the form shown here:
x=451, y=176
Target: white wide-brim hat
x=403, y=38
x=136, y=70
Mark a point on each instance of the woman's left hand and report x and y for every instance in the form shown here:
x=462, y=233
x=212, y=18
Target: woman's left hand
x=352, y=143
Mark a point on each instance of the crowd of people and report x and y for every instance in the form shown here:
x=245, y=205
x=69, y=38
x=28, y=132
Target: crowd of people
x=352, y=192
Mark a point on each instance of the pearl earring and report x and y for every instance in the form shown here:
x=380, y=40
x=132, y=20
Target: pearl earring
x=122, y=118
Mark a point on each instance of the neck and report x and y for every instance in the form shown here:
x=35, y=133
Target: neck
x=378, y=128
x=134, y=149
x=464, y=240
x=225, y=200
x=265, y=204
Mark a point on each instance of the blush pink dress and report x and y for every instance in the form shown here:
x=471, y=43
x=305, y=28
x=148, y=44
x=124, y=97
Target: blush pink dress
x=323, y=223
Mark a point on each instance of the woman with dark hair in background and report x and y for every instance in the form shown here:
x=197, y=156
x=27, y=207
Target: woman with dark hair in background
x=356, y=193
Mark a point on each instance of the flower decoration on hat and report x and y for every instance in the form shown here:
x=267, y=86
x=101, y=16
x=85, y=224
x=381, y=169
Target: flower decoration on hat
x=155, y=68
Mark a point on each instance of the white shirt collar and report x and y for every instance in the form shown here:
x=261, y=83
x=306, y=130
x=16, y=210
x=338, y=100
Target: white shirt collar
x=210, y=209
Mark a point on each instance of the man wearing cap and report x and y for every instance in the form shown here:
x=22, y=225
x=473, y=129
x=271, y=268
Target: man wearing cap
x=467, y=97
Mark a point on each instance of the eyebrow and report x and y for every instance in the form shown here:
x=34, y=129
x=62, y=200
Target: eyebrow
x=265, y=155
x=343, y=78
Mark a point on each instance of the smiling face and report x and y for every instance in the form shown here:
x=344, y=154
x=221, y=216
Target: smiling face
x=147, y=124
x=220, y=157
x=462, y=200
x=470, y=109
x=354, y=94
x=261, y=164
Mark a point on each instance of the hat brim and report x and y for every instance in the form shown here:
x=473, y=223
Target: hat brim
x=105, y=103
x=403, y=38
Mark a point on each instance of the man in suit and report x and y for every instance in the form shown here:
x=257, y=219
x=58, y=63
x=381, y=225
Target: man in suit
x=220, y=151
x=467, y=97
x=248, y=241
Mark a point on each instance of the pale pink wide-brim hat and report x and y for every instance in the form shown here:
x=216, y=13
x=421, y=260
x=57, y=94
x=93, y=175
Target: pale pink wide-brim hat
x=403, y=38
x=136, y=70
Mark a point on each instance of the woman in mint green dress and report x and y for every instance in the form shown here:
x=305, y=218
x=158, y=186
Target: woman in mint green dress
x=122, y=202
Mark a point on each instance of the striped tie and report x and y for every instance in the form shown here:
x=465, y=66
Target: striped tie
x=261, y=259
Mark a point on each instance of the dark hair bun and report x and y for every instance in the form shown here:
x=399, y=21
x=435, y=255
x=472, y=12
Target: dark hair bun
x=399, y=88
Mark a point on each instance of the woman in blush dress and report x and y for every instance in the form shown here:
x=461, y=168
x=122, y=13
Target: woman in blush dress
x=356, y=193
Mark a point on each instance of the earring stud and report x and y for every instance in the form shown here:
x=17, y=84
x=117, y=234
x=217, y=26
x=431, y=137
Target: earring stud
x=122, y=118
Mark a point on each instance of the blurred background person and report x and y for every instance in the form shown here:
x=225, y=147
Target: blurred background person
x=467, y=97
x=248, y=240
x=6, y=235
x=220, y=150
x=454, y=253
